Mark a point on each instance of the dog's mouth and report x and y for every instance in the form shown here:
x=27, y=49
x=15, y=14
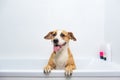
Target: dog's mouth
x=58, y=47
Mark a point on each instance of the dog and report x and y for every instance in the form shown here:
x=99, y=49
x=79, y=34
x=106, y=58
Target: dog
x=61, y=57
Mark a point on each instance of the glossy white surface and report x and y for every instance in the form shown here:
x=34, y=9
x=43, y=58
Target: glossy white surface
x=24, y=23
x=34, y=68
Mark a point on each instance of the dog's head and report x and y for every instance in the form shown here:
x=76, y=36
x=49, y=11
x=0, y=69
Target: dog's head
x=59, y=38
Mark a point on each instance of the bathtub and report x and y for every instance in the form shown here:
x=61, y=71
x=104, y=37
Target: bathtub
x=28, y=69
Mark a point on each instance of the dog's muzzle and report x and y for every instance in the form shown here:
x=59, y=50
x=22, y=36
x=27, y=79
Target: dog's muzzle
x=58, y=47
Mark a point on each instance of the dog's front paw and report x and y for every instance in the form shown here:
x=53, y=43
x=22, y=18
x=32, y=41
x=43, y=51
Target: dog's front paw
x=68, y=71
x=47, y=69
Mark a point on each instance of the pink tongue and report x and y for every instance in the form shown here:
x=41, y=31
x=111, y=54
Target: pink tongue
x=56, y=48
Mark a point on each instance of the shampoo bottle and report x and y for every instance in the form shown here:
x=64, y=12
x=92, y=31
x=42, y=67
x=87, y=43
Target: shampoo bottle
x=108, y=52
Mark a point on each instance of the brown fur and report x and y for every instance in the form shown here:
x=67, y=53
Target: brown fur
x=70, y=65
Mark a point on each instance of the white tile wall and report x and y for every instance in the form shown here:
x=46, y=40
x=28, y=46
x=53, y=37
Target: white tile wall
x=24, y=23
x=112, y=27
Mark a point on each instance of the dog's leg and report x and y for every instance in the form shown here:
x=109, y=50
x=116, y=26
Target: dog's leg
x=50, y=65
x=68, y=70
x=47, y=69
x=70, y=66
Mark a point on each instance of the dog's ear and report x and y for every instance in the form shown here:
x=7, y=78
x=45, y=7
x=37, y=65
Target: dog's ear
x=49, y=35
x=71, y=36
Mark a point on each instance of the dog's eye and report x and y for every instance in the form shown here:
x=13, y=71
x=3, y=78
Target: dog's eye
x=62, y=35
x=53, y=34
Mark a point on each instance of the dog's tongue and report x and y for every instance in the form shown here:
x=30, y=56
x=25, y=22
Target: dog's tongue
x=57, y=48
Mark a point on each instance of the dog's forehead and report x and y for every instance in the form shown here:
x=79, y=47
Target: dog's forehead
x=61, y=31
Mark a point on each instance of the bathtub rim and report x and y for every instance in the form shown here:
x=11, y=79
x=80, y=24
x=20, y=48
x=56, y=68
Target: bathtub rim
x=90, y=72
x=59, y=73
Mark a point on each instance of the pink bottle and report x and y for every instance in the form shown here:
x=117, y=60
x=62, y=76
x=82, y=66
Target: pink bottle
x=101, y=54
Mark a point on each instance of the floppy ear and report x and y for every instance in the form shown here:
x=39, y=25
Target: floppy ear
x=49, y=35
x=71, y=36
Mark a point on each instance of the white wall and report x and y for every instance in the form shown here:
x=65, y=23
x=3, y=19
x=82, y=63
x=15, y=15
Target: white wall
x=24, y=23
x=112, y=27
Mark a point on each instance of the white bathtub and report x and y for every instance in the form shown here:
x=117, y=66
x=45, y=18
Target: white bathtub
x=34, y=69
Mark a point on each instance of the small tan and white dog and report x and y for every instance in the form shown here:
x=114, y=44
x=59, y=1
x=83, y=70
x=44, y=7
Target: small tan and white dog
x=61, y=57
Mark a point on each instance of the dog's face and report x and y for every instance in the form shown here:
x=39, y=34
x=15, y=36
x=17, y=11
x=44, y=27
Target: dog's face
x=59, y=38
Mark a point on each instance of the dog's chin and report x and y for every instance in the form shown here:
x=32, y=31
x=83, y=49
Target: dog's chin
x=58, y=47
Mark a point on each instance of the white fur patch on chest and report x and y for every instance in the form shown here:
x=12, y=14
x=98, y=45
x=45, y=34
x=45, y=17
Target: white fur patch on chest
x=61, y=59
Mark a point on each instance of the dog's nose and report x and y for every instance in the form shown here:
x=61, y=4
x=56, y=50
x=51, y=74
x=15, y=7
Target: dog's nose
x=55, y=40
